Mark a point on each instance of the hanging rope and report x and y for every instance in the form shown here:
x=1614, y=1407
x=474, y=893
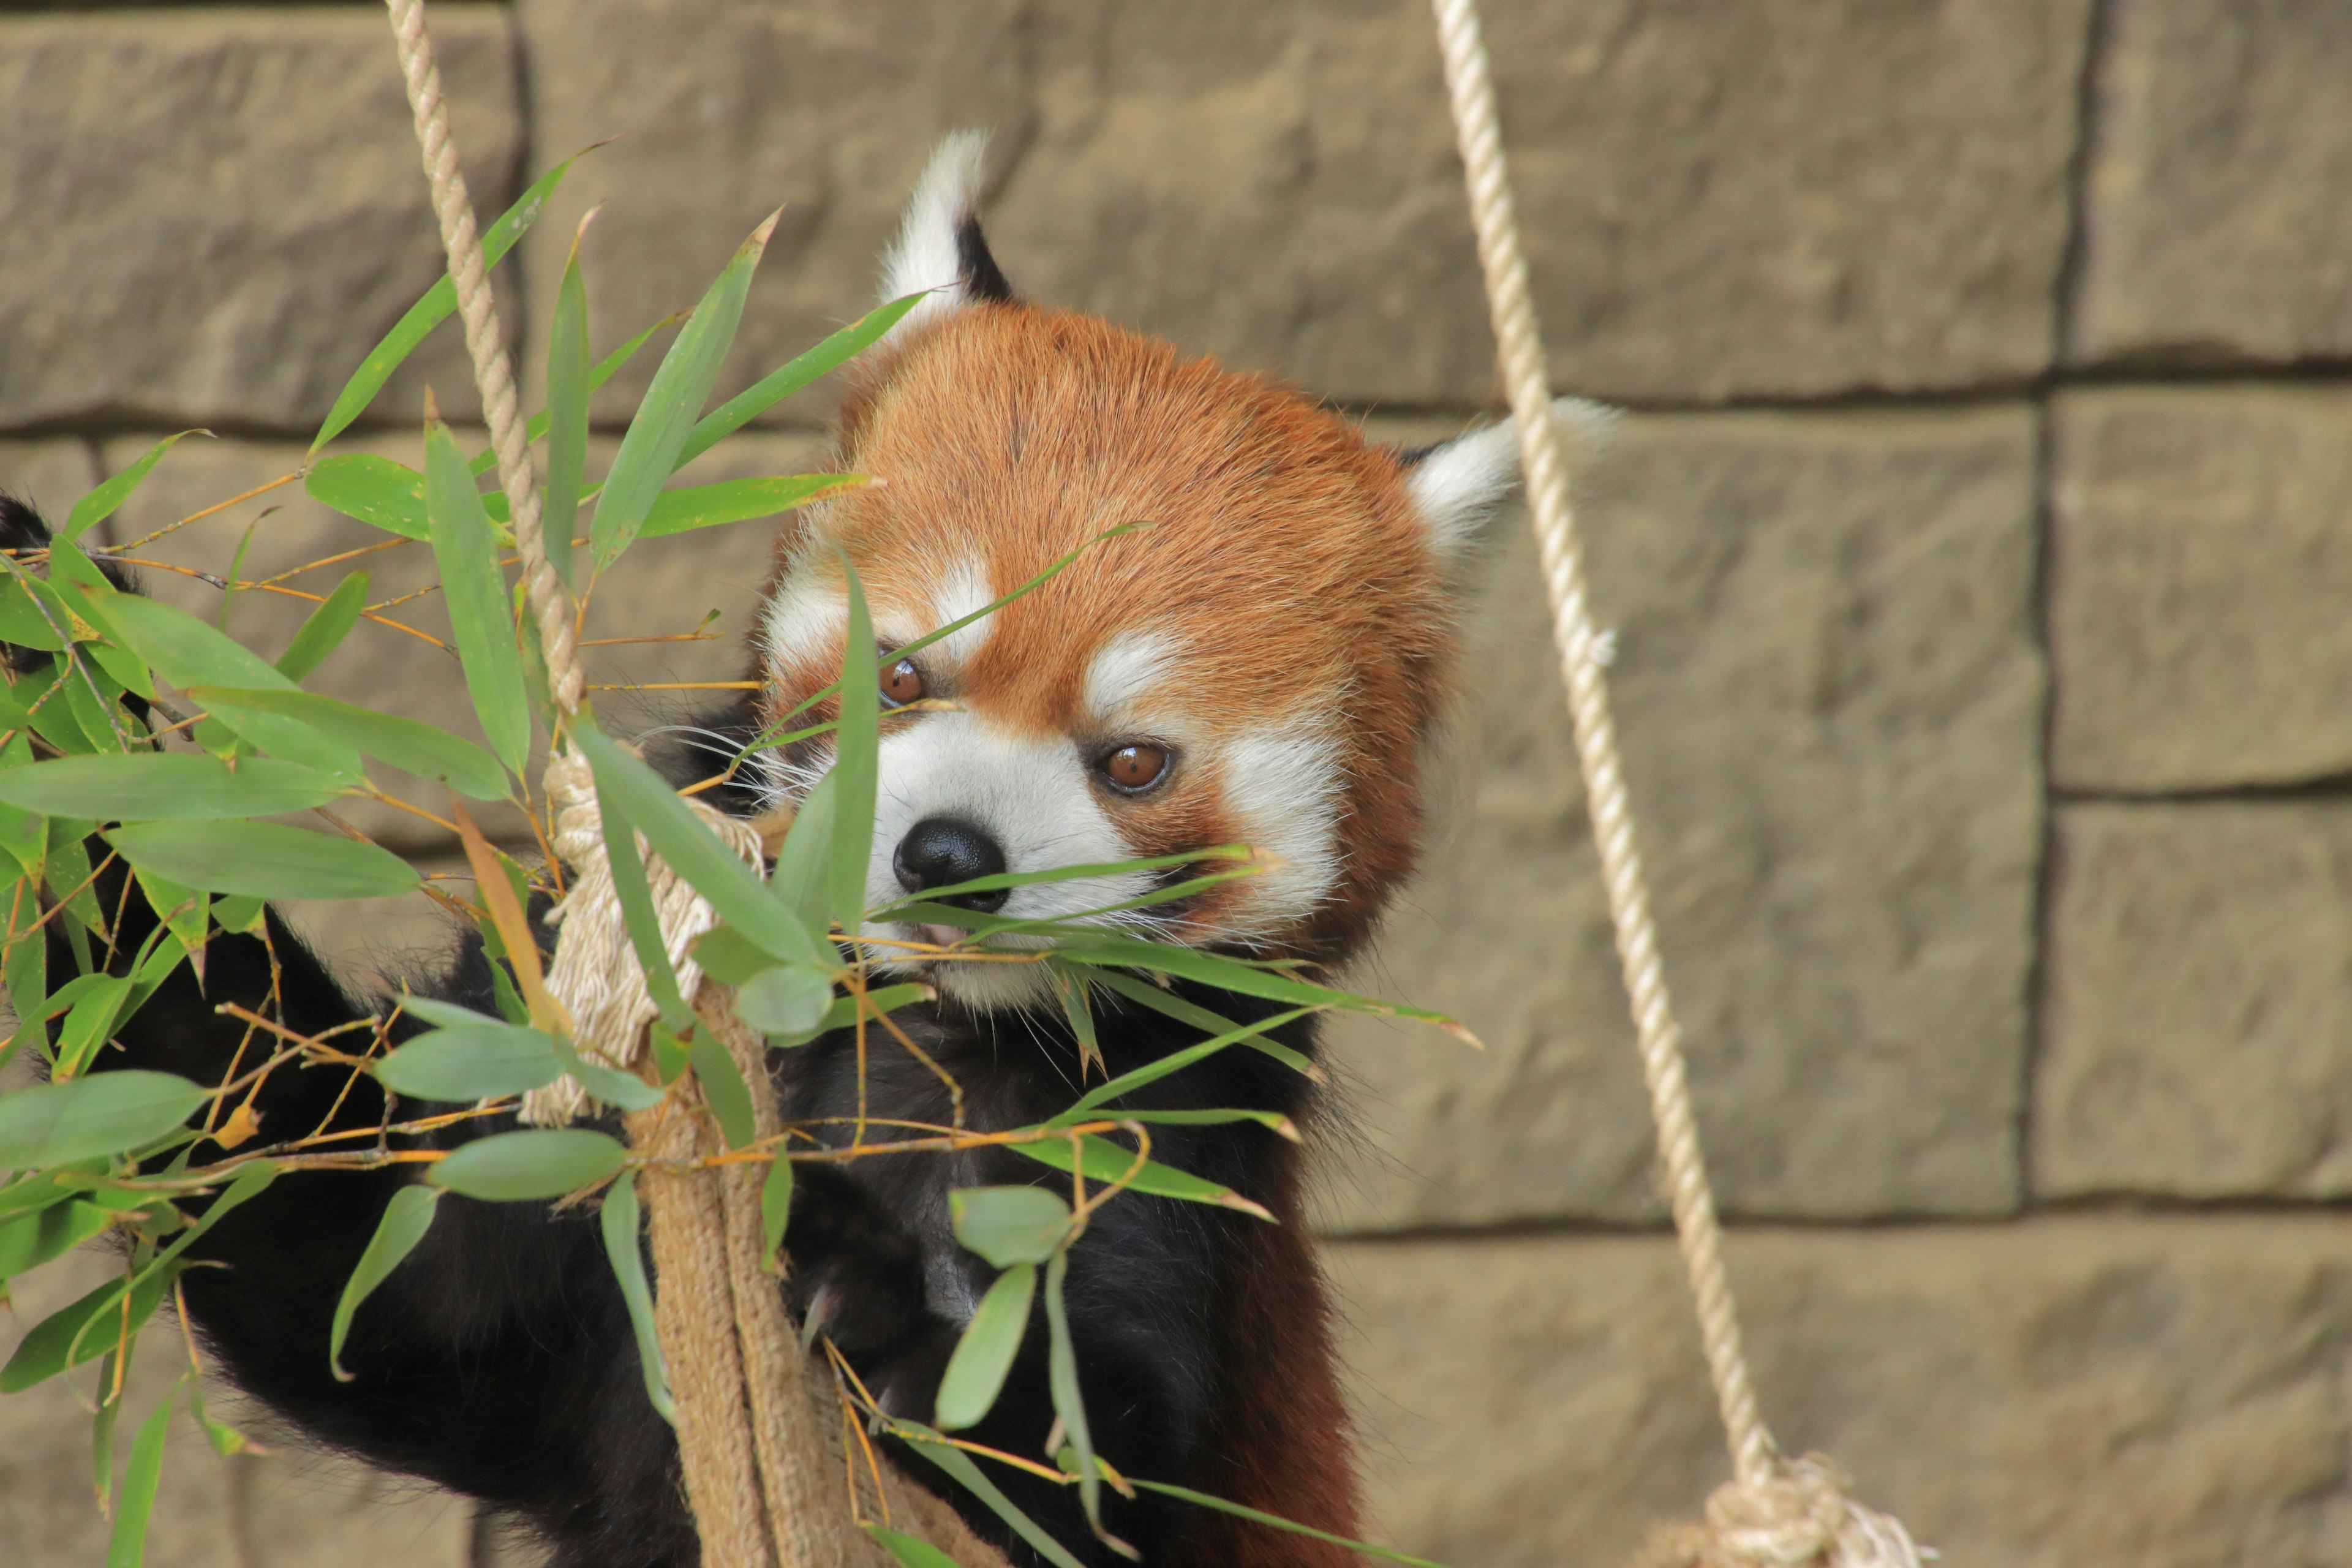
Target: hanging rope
x=760, y=1448
x=1775, y=1512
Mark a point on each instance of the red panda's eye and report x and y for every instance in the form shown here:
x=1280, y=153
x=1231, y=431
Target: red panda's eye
x=902, y=683
x=1137, y=767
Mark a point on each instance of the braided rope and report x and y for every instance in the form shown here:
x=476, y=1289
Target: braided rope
x=1774, y=1512
x=470, y=275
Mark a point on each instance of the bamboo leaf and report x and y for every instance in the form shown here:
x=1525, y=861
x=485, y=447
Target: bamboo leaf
x=855, y=763
x=71, y=1335
x=1062, y=1382
x=536, y=429
x=793, y=375
x=983, y=1356
x=263, y=860
x=923, y=1440
x=650, y=450
x=508, y=1167
x=880, y=1001
x=165, y=786
x=1202, y=1499
x=910, y=1551
x=325, y=628
x=375, y=490
x=436, y=305
x=475, y=1061
x=723, y=1087
x=100, y=503
x=1010, y=1225
x=1104, y=1161
x=476, y=593
x=567, y=410
x=1152, y=1072
x=32, y=1239
x=109, y=1113
x=694, y=852
x=620, y=1223
x=740, y=500
x=407, y=743
x=638, y=917
x=785, y=1000
x=405, y=1220
x=801, y=881
x=775, y=1202
x=1145, y=993
x=127, y=1548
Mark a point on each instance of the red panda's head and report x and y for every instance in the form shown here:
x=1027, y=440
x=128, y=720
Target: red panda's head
x=1261, y=663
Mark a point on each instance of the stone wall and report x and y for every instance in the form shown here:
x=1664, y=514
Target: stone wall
x=1978, y=551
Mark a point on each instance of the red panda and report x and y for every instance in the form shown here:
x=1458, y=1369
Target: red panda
x=1261, y=661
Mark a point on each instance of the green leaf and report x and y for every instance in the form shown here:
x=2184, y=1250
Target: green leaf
x=910, y=1551
x=795, y=373
x=1218, y=1504
x=405, y=1220
x=1152, y=1072
x=165, y=786
x=507, y=1167
x=76, y=1333
x=620, y=1224
x=638, y=917
x=855, y=763
x=1010, y=1225
x=226, y=1439
x=375, y=490
x=407, y=743
x=326, y=627
x=729, y=957
x=110, y=1114
x=723, y=1087
x=1106, y=1162
x=478, y=1061
x=32, y=1239
x=21, y=620
x=536, y=429
x=740, y=500
x=127, y=1548
x=189, y=652
x=786, y=1000
x=983, y=1356
x=775, y=1202
x=476, y=593
x=567, y=412
x=693, y=851
x=1062, y=1381
x=959, y=1465
x=880, y=1000
x=1145, y=993
x=437, y=303
x=263, y=859
x=98, y=504
x=802, y=881
x=650, y=450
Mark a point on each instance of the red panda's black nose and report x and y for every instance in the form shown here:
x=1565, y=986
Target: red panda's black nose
x=940, y=851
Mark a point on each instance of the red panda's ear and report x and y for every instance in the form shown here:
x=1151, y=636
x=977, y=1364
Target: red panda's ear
x=1456, y=485
x=939, y=246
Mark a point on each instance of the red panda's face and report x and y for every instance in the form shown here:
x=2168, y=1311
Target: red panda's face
x=1258, y=662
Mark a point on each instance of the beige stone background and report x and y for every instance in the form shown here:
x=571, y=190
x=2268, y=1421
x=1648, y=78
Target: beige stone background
x=1978, y=551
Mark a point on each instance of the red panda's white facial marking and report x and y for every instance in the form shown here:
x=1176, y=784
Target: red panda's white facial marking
x=1260, y=662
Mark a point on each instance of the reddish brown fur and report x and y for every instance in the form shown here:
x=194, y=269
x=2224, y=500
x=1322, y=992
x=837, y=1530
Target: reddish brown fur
x=1282, y=544
x=1285, y=549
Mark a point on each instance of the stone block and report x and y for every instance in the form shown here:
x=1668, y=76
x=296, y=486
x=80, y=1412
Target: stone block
x=2086, y=1392
x=664, y=587
x=727, y=112
x=2197, y=1038
x=51, y=474
x=2201, y=559
x=1793, y=198
x=214, y=213
x=1830, y=700
x=287, y=1508
x=2215, y=229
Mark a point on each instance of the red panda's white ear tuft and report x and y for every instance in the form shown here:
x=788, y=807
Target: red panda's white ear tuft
x=1458, y=485
x=940, y=245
